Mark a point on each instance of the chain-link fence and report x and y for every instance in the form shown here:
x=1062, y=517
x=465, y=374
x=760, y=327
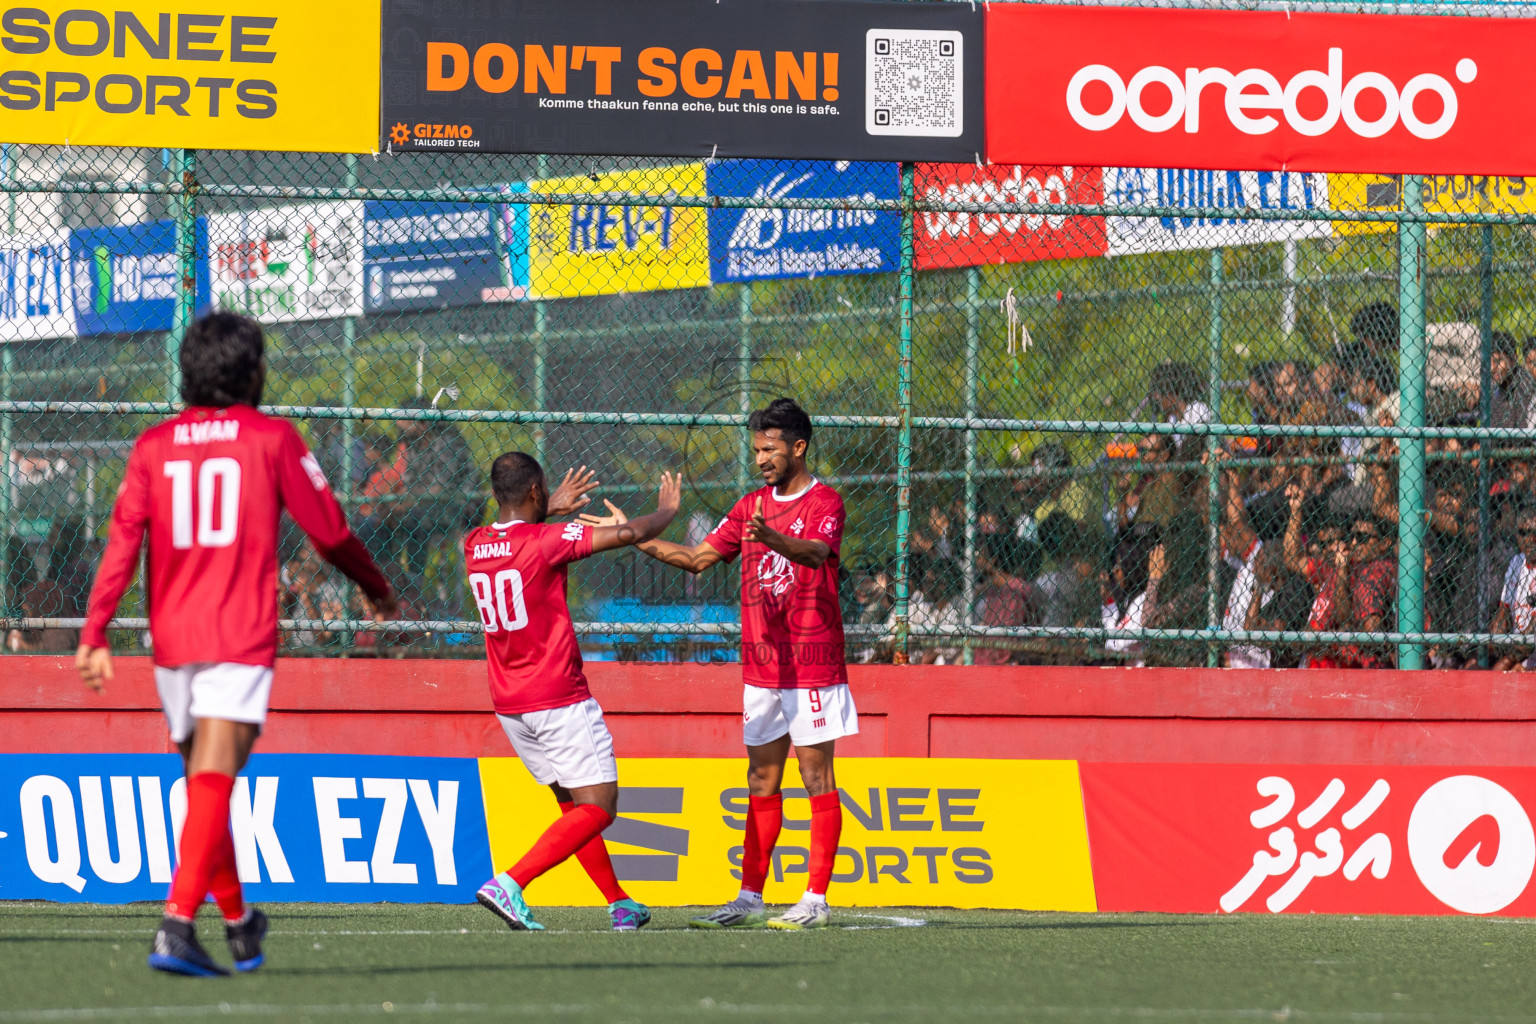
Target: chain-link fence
x=1078, y=415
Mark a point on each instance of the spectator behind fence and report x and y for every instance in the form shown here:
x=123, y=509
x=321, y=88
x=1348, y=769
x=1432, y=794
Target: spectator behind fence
x=1353, y=582
x=1513, y=385
x=1451, y=573
x=1176, y=391
x=1002, y=599
x=41, y=598
x=1040, y=494
x=1240, y=550
x=1130, y=588
x=1517, y=606
x=934, y=600
x=71, y=563
x=444, y=496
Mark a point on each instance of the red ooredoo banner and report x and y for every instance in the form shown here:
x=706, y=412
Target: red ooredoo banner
x=1143, y=87
x=951, y=239
x=1208, y=838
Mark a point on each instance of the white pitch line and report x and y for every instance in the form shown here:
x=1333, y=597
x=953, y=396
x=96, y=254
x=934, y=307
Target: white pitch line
x=708, y=1007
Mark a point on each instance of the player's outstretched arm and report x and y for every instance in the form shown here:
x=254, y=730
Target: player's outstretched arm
x=693, y=559
x=631, y=532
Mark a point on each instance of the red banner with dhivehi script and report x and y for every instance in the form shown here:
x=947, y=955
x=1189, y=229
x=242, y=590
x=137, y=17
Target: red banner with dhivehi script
x=947, y=238
x=1347, y=839
x=1260, y=90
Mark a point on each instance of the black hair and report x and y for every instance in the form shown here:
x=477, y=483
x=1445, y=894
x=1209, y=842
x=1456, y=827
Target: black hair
x=513, y=476
x=1133, y=554
x=221, y=361
x=785, y=416
x=1383, y=529
x=1503, y=341
x=1178, y=380
x=1377, y=323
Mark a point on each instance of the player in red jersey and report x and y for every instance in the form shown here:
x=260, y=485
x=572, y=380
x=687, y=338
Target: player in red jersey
x=788, y=534
x=207, y=487
x=517, y=575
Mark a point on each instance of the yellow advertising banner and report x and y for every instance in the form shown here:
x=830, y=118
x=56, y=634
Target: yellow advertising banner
x=242, y=74
x=1443, y=193
x=607, y=248
x=916, y=832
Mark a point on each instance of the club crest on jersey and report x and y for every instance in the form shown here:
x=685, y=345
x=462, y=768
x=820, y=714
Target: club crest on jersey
x=775, y=573
x=797, y=527
x=500, y=549
x=205, y=431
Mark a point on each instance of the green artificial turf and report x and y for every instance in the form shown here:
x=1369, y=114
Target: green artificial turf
x=337, y=963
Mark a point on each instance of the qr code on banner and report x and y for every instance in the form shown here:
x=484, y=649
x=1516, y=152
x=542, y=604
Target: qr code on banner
x=914, y=82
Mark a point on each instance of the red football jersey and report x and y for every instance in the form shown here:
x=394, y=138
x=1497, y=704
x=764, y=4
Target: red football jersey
x=209, y=487
x=517, y=575
x=791, y=619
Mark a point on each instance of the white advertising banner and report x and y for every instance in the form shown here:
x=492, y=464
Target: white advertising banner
x=1255, y=190
x=36, y=299
x=289, y=262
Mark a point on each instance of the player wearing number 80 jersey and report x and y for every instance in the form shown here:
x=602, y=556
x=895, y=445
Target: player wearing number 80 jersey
x=517, y=573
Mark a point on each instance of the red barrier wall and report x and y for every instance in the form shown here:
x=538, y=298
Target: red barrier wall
x=1091, y=714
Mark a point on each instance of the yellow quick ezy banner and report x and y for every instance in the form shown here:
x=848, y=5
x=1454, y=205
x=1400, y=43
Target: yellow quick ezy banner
x=916, y=832
x=1443, y=193
x=606, y=248
x=242, y=74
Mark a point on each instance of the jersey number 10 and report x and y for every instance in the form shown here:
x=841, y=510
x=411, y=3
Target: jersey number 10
x=218, y=488
x=495, y=598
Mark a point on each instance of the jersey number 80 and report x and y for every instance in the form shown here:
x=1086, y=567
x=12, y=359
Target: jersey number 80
x=496, y=597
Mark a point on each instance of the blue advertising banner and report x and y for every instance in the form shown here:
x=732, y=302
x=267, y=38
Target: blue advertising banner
x=334, y=828
x=126, y=277
x=754, y=244
x=425, y=255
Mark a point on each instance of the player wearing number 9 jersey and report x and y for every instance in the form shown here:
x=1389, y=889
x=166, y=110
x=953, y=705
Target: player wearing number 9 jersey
x=207, y=488
x=517, y=574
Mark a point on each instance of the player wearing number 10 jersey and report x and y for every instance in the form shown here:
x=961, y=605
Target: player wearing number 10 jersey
x=517, y=572
x=207, y=487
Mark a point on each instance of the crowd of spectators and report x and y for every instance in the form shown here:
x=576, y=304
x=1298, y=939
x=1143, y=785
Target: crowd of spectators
x=1278, y=531
x=1306, y=526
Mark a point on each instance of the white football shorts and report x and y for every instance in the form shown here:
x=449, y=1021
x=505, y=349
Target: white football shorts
x=809, y=716
x=568, y=746
x=204, y=689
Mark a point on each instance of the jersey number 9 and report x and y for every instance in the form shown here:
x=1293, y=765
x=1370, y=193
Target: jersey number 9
x=496, y=597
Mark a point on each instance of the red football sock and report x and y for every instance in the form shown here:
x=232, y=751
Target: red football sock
x=826, y=830
x=206, y=828
x=224, y=883
x=765, y=817
x=560, y=841
x=594, y=858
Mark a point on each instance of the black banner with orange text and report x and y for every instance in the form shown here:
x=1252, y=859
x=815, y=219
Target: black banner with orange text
x=827, y=79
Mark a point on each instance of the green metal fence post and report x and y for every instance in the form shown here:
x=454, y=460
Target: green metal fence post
x=744, y=385
x=1412, y=357
x=540, y=340
x=1484, y=419
x=185, y=206
x=348, y=375
x=7, y=172
x=972, y=377
x=1212, y=467
x=904, y=414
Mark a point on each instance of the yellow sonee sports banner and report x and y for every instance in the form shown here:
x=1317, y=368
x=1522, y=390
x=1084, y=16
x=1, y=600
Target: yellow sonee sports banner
x=241, y=74
x=1443, y=193
x=916, y=832
x=606, y=248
